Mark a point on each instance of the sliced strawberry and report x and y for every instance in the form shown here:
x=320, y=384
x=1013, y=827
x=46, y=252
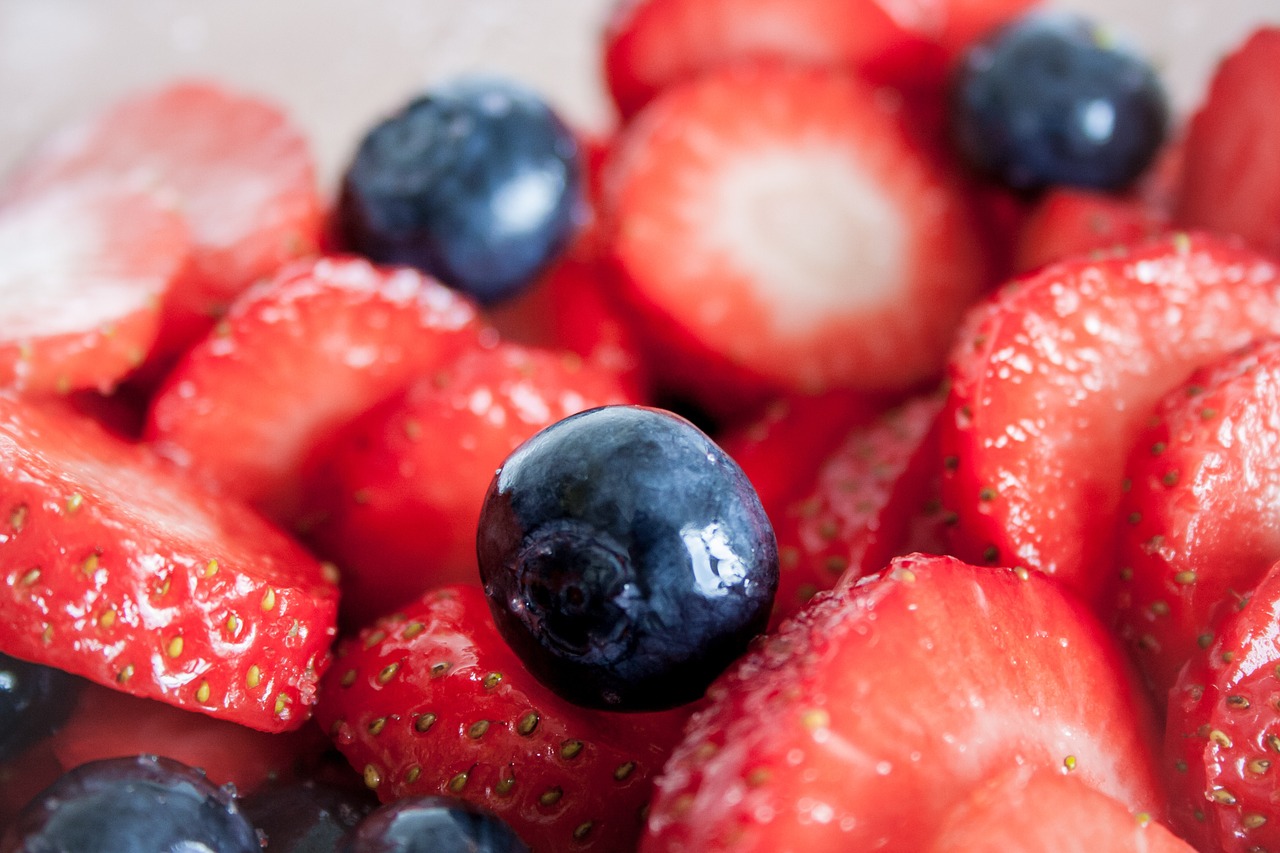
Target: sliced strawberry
x=397, y=514
x=83, y=270
x=434, y=702
x=1223, y=733
x=862, y=505
x=1042, y=810
x=770, y=234
x=1068, y=221
x=292, y=362
x=1199, y=526
x=861, y=722
x=1231, y=165
x=1053, y=379
x=653, y=44
x=235, y=166
x=119, y=570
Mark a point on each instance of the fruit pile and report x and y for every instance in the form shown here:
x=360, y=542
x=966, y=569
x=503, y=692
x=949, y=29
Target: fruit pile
x=870, y=444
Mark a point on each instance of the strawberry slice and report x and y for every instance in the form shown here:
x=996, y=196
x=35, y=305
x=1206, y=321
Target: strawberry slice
x=1223, y=732
x=1230, y=167
x=83, y=270
x=434, y=702
x=653, y=44
x=768, y=227
x=861, y=722
x=1068, y=221
x=117, y=569
x=396, y=514
x=1200, y=527
x=235, y=166
x=1054, y=378
x=1039, y=810
x=292, y=362
x=862, y=505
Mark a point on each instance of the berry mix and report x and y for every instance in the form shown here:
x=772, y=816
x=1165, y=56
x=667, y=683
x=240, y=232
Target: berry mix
x=869, y=444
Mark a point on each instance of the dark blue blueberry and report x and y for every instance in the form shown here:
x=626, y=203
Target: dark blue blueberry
x=626, y=558
x=1052, y=99
x=142, y=804
x=477, y=183
x=306, y=816
x=34, y=701
x=432, y=825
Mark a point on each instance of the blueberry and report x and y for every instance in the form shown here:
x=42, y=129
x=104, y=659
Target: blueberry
x=432, y=825
x=306, y=816
x=1053, y=99
x=142, y=804
x=477, y=183
x=627, y=560
x=34, y=701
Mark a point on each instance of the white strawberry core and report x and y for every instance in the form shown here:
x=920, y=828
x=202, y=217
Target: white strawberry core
x=811, y=231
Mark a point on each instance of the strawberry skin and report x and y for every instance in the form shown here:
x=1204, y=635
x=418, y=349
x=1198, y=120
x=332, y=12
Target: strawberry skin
x=788, y=250
x=1070, y=221
x=1053, y=378
x=293, y=361
x=862, y=721
x=1199, y=527
x=1223, y=732
x=432, y=701
x=119, y=570
x=83, y=271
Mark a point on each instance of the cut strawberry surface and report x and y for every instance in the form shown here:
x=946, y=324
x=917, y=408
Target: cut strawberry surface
x=295, y=360
x=118, y=570
x=1223, y=732
x=434, y=702
x=779, y=230
x=1053, y=379
x=861, y=722
x=1199, y=527
x=83, y=272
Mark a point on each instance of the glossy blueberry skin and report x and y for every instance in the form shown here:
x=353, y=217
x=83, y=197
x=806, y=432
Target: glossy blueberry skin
x=1049, y=99
x=34, y=701
x=432, y=825
x=306, y=816
x=626, y=558
x=142, y=804
x=478, y=183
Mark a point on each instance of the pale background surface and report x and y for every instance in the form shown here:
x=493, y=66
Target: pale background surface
x=338, y=65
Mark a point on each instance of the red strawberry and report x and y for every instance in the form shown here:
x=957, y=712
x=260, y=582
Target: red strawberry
x=83, y=270
x=1053, y=379
x=292, y=362
x=1223, y=735
x=240, y=172
x=769, y=231
x=1199, y=525
x=863, y=502
x=861, y=722
x=1068, y=221
x=1042, y=810
x=434, y=702
x=653, y=44
x=396, y=513
x=1231, y=164
x=24, y=776
x=117, y=569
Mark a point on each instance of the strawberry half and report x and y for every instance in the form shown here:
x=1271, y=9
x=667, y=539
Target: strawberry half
x=292, y=362
x=1053, y=379
x=1199, y=527
x=433, y=701
x=83, y=271
x=1068, y=221
x=1223, y=732
x=395, y=513
x=116, y=568
x=771, y=234
x=865, y=719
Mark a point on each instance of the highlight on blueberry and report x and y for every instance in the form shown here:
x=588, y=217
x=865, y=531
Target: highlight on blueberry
x=1054, y=99
x=477, y=182
x=433, y=824
x=626, y=558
